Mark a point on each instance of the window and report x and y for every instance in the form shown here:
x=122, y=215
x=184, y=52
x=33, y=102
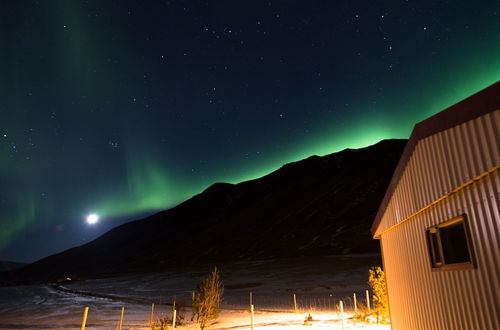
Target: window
x=448, y=245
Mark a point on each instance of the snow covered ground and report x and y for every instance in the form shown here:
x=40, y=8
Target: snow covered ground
x=319, y=284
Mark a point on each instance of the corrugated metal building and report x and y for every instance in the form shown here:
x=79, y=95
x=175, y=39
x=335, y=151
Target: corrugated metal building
x=439, y=222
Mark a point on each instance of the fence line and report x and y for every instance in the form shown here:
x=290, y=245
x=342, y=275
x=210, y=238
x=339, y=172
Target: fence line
x=262, y=302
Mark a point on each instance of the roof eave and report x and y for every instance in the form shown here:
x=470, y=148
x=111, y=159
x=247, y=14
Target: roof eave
x=476, y=105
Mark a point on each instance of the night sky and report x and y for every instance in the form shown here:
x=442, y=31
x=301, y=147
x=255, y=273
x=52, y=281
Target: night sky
x=122, y=108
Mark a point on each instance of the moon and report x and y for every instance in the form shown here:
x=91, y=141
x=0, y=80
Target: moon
x=92, y=218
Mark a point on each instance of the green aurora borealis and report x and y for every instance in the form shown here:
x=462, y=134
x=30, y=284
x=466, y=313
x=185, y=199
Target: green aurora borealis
x=123, y=109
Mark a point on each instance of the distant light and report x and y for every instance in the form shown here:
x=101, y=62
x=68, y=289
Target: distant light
x=92, y=219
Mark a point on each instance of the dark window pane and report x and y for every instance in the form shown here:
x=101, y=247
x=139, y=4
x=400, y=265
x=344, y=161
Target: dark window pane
x=454, y=243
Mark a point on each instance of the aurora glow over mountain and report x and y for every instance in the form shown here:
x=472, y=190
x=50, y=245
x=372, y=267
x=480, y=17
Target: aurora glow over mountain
x=124, y=108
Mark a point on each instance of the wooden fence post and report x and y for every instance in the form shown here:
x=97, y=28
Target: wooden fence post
x=174, y=312
x=121, y=319
x=251, y=298
x=355, y=303
x=368, y=300
x=85, y=313
x=294, y=303
x=151, y=318
x=251, y=316
x=342, y=313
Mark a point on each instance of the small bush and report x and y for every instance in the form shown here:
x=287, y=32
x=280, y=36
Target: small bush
x=308, y=319
x=379, y=312
x=376, y=280
x=363, y=314
x=164, y=323
x=161, y=323
x=207, y=299
x=180, y=318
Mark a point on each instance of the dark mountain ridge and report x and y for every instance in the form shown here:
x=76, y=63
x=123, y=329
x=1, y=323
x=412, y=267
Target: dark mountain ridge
x=316, y=206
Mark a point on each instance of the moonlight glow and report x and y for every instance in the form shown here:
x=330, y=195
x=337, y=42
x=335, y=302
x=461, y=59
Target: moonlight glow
x=92, y=219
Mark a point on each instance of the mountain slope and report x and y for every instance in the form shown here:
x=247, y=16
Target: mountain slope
x=10, y=265
x=320, y=205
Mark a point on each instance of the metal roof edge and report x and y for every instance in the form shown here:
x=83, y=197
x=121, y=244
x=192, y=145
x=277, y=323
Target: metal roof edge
x=485, y=101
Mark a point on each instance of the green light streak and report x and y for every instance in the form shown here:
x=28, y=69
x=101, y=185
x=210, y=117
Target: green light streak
x=359, y=136
x=465, y=74
x=17, y=220
x=149, y=187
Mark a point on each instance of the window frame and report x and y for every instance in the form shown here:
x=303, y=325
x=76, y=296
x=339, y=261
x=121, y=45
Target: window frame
x=441, y=265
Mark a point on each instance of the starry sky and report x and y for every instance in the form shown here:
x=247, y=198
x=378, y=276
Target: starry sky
x=122, y=108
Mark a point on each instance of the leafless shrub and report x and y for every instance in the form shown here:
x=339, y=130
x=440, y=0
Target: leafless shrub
x=207, y=299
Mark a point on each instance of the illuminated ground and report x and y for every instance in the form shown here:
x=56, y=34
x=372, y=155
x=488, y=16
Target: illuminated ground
x=319, y=283
x=137, y=317
x=321, y=320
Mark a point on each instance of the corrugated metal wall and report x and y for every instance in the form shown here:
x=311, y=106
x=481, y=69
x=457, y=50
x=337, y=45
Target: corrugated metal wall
x=443, y=162
x=461, y=299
